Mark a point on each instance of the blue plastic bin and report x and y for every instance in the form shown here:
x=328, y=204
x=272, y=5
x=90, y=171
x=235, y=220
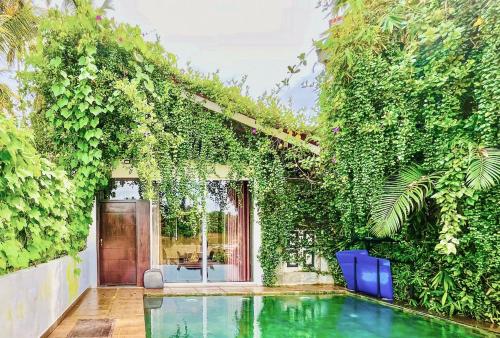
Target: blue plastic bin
x=346, y=262
x=366, y=274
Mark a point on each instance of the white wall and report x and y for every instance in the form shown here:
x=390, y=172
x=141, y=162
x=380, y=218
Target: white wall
x=92, y=250
x=256, y=242
x=32, y=299
x=297, y=275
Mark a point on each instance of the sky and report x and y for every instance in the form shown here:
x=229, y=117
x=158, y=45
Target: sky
x=253, y=38
x=257, y=38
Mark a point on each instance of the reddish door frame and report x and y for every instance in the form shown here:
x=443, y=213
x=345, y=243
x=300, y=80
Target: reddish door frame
x=142, y=236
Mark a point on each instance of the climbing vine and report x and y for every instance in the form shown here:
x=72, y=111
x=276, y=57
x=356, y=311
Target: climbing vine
x=40, y=212
x=102, y=93
x=410, y=83
x=405, y=83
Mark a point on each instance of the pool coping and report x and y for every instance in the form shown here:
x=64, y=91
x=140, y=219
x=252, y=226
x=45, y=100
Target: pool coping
x=476, y=326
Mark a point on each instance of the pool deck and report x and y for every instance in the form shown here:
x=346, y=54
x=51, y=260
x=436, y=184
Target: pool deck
x=124, y=305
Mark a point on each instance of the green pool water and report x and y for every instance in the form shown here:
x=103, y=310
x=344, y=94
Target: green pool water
x=289, y=316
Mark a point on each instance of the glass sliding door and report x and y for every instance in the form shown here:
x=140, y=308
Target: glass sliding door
x=213, y=245
x=181, y=244
x=228, y=232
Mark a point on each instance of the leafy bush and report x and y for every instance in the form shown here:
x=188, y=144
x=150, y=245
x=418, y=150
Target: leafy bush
x=40, y=216
x=417, y=83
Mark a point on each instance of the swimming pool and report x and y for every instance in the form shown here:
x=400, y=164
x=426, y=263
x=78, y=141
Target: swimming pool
x=289, y=316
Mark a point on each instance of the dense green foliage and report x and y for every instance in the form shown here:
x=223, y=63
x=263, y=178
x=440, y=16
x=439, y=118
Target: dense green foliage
x=417, y=83
x=40, y=216
x=407, y=85
x=102, y=93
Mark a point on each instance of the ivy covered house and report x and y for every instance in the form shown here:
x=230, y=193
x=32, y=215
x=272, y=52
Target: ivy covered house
x=178, y=171
x=129, y=162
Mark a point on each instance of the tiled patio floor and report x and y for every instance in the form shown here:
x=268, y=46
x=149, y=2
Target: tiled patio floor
x=125, y=305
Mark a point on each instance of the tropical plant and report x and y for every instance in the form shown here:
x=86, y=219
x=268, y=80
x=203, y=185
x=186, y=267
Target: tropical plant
x=401, y=196
x=406, y=193
x=484, y=169
x=416, y=84
x=40, y=216
x=73, y=5
x=7, y=97
x=18, y=26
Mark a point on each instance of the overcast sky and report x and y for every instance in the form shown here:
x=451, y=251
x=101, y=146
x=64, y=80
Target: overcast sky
x=258, y=38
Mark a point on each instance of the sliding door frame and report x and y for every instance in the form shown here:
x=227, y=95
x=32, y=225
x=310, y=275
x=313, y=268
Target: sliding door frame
x=204, y=240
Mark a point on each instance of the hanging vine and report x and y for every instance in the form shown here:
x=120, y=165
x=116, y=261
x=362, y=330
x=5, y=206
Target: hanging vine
x=416, y=84
x=103, y=94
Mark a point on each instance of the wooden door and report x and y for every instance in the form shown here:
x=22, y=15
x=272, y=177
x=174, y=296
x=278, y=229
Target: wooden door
x=117, y=243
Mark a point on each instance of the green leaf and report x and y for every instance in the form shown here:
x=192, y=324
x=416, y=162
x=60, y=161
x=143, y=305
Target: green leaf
x=95, y=110
x=86, y=90
x=94, y=122
x=94, y=142
x=83, y=106
x=62, y=102
x=484, y=169
x=19, y=223
x=150, y=86
x=84, y=121
x=82, y=61
x=5, y=212
x=55, y=62
x=57, y=89
x=91, y=50
x=66, y=113
x=138, y=57
x=89, y=134
x=11, y=249
x=401, y=196
x=98, y=133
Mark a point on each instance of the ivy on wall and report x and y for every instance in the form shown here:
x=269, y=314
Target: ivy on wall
x=102, y=93
x=41, y=215
x=405, y=84
x=417, y=84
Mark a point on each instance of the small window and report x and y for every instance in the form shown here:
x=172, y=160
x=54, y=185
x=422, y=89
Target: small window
x=122, y=189
x=300, y=249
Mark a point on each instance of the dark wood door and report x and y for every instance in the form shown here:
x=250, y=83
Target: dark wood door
x=117, y=243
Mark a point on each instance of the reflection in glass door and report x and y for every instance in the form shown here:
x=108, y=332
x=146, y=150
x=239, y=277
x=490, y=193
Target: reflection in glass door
x=180, y=246
x=228, y=232
x=213, y=246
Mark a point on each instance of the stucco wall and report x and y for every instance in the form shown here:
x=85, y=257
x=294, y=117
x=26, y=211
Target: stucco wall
x=256, y=243
x=32, y=299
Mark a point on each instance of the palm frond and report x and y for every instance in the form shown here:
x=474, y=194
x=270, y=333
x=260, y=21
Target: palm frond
x=401, y=195
x=70, y=5
x=484, y=169
x=7, y=97
x=18, y=26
